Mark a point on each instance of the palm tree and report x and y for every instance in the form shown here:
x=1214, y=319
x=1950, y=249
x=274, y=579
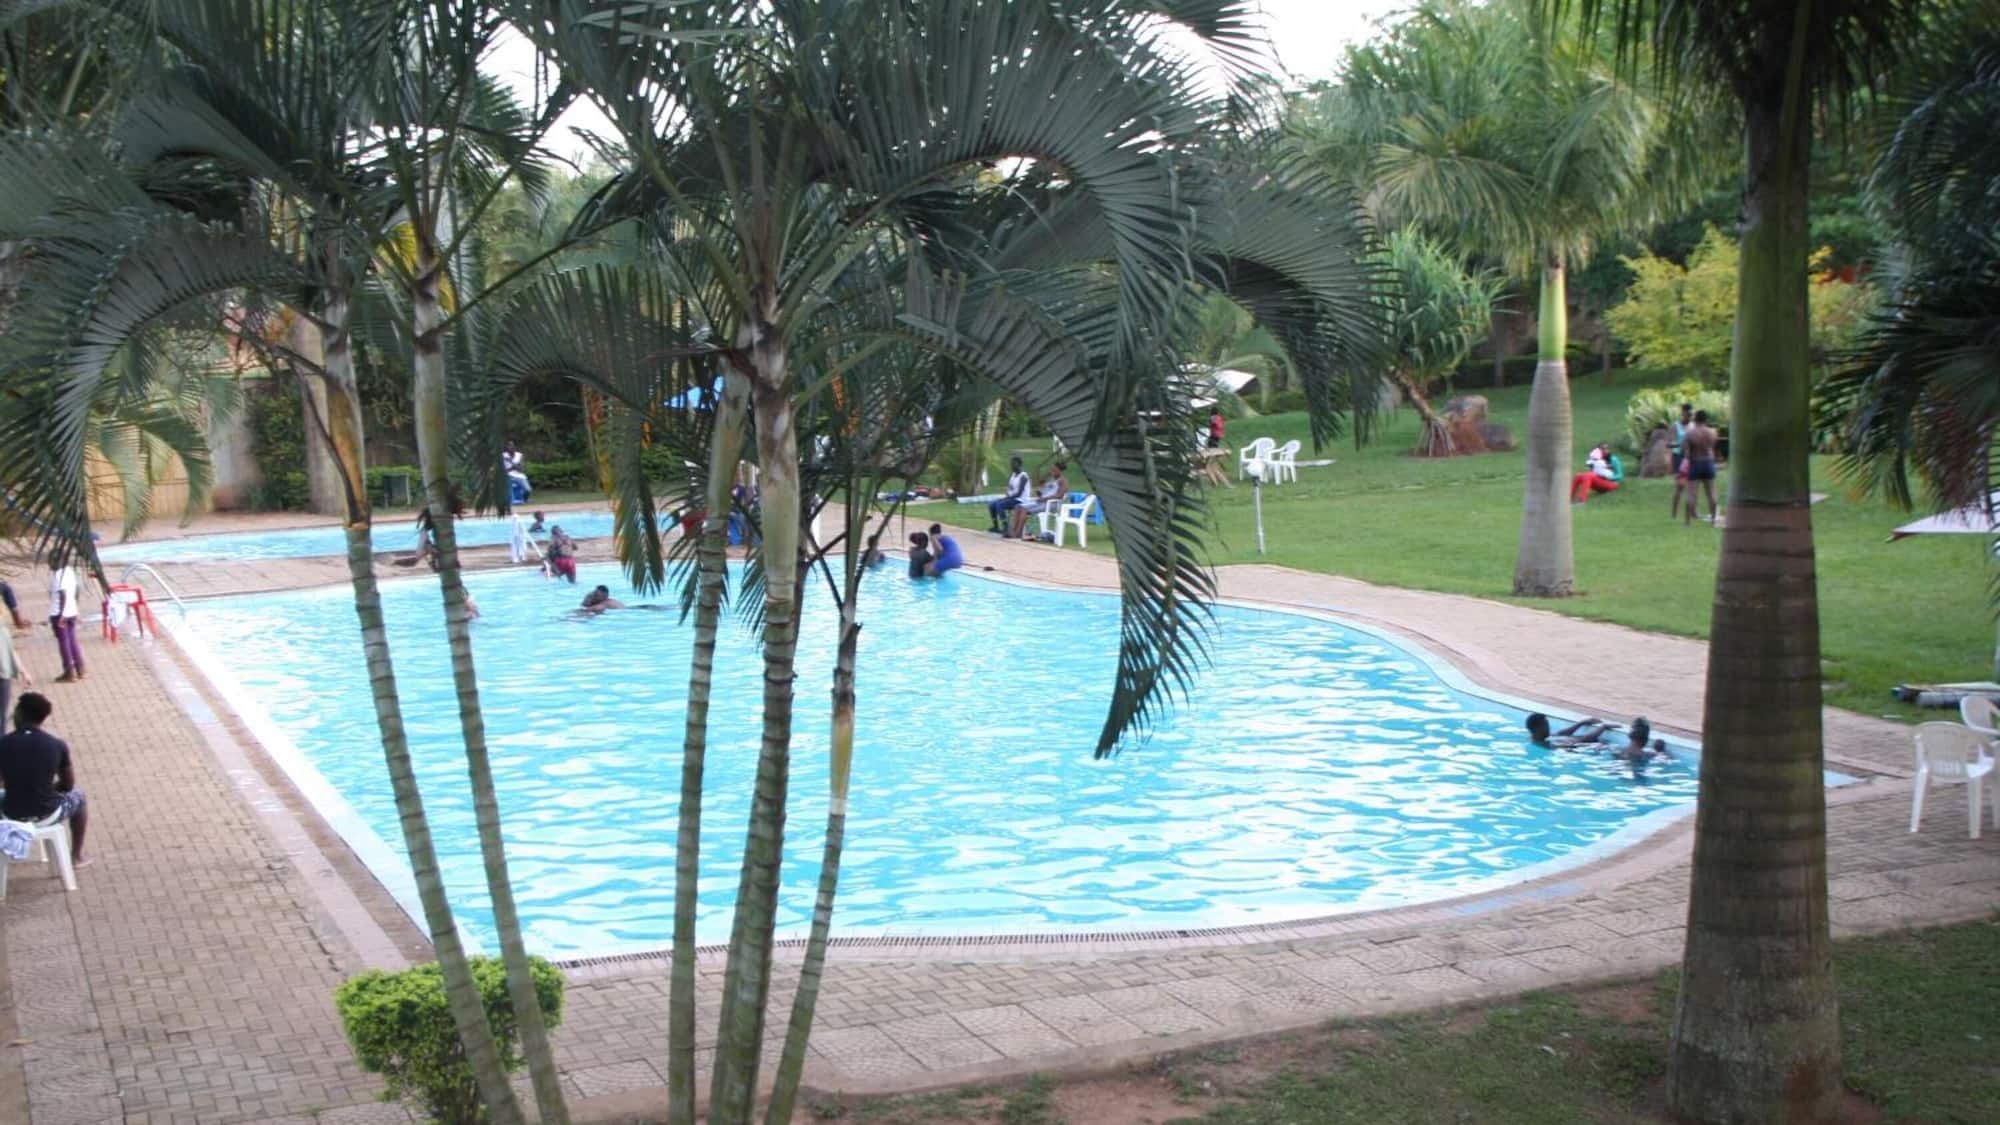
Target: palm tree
x=1756, y=1035
x=1500, y=136
x=269, y=98
x=775, y=180
x=1440, y=306
x=1922, y=389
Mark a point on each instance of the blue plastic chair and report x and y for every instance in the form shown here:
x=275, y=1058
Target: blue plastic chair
x=1096, y=510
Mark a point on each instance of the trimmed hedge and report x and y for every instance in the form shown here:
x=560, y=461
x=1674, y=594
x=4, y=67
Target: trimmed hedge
x=401, y=1028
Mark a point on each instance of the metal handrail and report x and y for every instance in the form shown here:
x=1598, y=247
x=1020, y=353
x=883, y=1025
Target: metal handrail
x=125, y=579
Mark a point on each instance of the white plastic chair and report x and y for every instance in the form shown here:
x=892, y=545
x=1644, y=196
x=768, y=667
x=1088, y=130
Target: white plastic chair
x=1951, y=754
x=1258, y=450
x=1070, y=513
x=1982, y=716
x=1285, y=462
x=52, y=837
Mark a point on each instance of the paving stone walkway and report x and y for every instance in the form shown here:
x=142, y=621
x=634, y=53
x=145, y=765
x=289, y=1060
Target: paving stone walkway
x=189, y=979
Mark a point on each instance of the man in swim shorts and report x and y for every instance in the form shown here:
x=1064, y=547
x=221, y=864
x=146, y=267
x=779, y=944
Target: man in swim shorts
x=1700, y=449
x=920, y=555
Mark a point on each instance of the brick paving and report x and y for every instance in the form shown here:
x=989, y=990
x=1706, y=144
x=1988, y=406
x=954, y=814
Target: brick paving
x=189, y=978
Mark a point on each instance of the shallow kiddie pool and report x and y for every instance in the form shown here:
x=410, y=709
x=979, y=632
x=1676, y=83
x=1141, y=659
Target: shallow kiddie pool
x=1319, y=769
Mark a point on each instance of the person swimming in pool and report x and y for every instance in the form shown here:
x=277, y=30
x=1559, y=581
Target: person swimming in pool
x=945, y=554
x=1640, y=745
x=1583, y=732
x=599, y=600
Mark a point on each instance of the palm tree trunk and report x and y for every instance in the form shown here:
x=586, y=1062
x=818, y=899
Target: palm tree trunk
x=792, y=1063
x=725, y=451
x=433, y=449
x=1757, y=1035
x=340, y=429
x=1435, y=440
x=746, y=979
x=1545, y=566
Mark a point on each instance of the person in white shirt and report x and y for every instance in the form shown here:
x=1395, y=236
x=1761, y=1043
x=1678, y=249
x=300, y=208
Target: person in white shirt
x=1018, y=486
x=62, y=617
x=515, y=464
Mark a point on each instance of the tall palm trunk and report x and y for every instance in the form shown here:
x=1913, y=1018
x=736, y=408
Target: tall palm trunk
x=1757, y=1036
x=725, y=451
x=746, y=981
x=433, y=448
x=1545, y=566
x=340, y=429
x=792, y=1062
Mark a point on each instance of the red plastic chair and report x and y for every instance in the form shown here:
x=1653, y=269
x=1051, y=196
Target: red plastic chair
x=134, y=600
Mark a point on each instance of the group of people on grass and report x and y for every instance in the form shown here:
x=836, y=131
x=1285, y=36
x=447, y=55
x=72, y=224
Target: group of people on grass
x=1694, y=455
x=1009, y=514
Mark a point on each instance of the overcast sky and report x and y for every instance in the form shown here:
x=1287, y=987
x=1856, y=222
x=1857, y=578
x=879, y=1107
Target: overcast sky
x=1308, y=35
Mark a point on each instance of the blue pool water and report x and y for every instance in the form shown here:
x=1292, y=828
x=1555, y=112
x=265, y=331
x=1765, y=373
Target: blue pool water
x=304, y=542
x=1319, y=768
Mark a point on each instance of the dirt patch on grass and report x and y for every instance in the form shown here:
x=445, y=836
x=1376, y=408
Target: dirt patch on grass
x=1626, y=1003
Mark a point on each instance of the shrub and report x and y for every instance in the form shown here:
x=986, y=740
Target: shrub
x=1660, y=406
x=1683, y=318
x=401, y=1028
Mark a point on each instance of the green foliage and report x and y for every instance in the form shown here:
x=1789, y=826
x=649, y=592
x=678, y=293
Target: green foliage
x=1439, y=305
x=1682, y=318
x=277, y=438
x=1655, y=407
x=960, y=460
x=401, y=1028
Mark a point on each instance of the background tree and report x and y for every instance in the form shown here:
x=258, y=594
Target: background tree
x=1502, y=136
x=1438, y=306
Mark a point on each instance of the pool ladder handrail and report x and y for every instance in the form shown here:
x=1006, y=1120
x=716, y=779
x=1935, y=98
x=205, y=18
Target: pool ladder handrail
x=125, y=579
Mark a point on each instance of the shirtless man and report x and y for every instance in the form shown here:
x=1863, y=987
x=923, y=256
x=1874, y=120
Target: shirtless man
x=1699, y=448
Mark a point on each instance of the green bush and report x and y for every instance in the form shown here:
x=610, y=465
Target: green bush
x=1660, y=406
x=401, y=1028
x=1285, y=402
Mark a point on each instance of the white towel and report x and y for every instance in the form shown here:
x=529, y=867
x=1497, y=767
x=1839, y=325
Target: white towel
x=16, y=840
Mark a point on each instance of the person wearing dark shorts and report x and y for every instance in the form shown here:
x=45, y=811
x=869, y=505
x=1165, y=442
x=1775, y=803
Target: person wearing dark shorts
x=920, y=555
x=1700, y=447
x=40, y=779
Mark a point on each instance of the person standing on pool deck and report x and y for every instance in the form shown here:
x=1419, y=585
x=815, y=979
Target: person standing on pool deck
x=1700, y=447
x=945, y=555
x=11, y=669
x=40, y=779
x=62, y=617
x=1018, y=484
x=13, y=604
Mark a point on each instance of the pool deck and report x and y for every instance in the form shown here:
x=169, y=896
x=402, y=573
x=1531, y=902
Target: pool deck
x=189, y=979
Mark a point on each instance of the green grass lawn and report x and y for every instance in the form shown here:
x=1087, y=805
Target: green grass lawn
x=1913, y=610
x=1919, y=1014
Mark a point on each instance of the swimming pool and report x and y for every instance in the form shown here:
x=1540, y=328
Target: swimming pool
x=306, y=542
x=1320, y=768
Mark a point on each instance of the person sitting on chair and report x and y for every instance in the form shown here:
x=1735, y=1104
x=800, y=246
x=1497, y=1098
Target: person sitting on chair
x=1018, y=485
x=40, y=779
x=1053, y=495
